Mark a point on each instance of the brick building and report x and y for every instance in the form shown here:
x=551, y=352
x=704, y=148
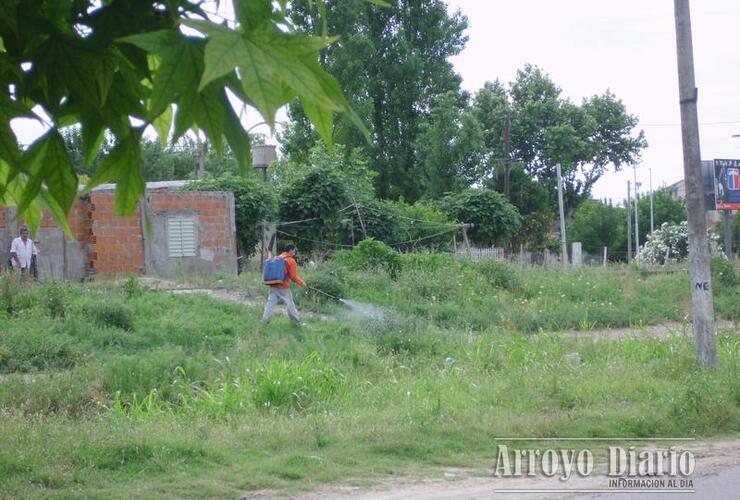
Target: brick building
x=172, y=232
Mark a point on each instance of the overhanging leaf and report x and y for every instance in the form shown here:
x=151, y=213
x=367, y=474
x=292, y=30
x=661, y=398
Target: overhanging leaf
x=57, y=212
x=163, y=124
x=322, y=119
x=92, y=138
x=206, y=110
x=252, y=13
x=122, y=166
x=47, y=162
x=179, y=68
x=237, y=138
x=130, y=187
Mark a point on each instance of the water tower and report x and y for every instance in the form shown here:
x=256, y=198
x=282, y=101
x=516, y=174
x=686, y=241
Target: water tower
x=262, y=156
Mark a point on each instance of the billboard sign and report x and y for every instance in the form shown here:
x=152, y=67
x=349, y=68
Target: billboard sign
x=727, y=184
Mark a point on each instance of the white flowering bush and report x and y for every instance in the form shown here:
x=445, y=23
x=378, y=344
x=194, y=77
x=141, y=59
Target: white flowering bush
x=670, y=244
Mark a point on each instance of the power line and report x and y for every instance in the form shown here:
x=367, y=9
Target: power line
x=378, y=210
x=294, y=236
x=735, y=122
x=341, y=245
x=288, y=223
x=423, y=238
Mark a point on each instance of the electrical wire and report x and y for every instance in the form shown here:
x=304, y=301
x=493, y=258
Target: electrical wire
x=294, y=236
x=678, y=124
x=341, y=245
x=291, y=222
x=422, y=238
x=379, y=211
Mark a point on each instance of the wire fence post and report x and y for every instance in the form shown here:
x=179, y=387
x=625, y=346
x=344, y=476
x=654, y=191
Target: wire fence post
x=464, y=228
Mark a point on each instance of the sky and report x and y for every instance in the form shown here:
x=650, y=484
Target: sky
x=628, y=46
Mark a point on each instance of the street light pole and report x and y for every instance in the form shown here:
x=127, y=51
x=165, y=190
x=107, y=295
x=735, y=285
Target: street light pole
x=563, y=241
x=637, y=215
x=650, y=172
x=629, y=224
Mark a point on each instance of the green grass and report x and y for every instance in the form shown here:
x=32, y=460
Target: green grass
x=114, y=391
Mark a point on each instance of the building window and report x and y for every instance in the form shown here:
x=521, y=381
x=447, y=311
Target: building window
x=182, y=238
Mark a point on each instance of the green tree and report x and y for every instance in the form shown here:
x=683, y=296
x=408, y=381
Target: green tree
x=120, y=66
x=547, y=129
x=597, y=225
x=665, y=209
x=318, y=197
x=533, y=201
x=489, y=106
x=350, y=165
x=392, y=63
x=448, y=147
x=160, y=163
x=494, y=219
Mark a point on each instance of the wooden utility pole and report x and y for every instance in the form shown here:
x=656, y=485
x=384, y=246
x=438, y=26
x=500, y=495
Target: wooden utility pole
x=563, y=244
x=465, y=226
x=628, y=207
x=701, y=277
x=507, y=154
x=359, y=216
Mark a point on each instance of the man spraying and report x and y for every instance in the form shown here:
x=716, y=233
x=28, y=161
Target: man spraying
x=23, y=253
x=279, y=272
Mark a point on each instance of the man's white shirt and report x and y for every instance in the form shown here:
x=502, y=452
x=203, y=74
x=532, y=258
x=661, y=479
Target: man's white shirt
x=23, y=251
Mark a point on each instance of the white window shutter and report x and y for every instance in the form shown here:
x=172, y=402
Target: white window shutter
x=181, y=237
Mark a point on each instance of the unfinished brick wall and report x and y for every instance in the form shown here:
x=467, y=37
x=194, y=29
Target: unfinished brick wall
x=216, y=232
x=113, y=246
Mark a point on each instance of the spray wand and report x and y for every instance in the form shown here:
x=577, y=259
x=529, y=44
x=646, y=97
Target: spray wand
x=323, y=292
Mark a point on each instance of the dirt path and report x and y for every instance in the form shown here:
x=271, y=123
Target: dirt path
x=662, y=330
x=712, y=457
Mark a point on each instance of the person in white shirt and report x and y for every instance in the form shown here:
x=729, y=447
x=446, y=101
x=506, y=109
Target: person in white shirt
x=23, y=252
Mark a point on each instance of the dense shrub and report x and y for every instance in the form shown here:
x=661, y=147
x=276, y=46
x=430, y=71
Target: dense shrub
x=157, y=370
x=331, y=282
x=56, y=296
x=253, y=202
x=723, y=271
x=499, y=274
x=494, y=219
x=372, y=254
x=316, y=197
x=670, y=243
x=33, y=347
x=109, y=313
x=296, y=385
x=427, y=261
x=406, y=227
x=597, y=225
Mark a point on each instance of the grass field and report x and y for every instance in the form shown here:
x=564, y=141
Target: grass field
x=113, y=390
